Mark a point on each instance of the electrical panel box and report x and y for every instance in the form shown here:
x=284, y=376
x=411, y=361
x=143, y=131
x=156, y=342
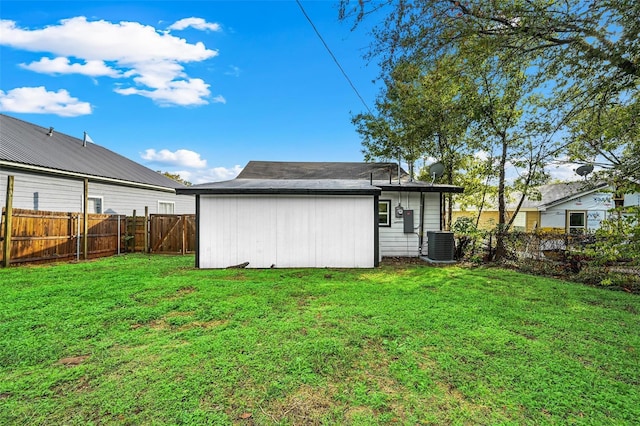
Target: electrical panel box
x=408, y=221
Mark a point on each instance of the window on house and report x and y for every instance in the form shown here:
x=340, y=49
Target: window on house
x=384, y=213
x=166, y=207
x=94, y=205
x=576, y=222
x=520, y=222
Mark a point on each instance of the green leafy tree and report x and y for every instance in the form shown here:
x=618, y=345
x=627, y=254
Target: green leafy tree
x=176, y=177
x=423, y=112
x=585, y=53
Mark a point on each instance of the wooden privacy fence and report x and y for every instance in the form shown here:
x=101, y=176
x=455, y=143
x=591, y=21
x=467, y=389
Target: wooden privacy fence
x=172, y=233
x=38, y=236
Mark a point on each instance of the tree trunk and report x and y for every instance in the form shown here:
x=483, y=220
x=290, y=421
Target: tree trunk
x=501, y=250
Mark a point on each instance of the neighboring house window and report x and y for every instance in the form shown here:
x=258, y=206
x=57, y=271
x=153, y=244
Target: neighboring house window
x=94, y=205
x=384, y=213
x=576, y=222
x=166, y=207
x=520, y=222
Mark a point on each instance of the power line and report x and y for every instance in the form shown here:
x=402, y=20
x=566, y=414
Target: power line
x=333, y=56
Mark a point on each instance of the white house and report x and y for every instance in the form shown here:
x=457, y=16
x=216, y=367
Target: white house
x=306, y=214
x=572, y=207
x=52, y=171
x=583, y=208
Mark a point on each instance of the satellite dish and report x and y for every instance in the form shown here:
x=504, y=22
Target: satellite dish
x=584, y=170
x=436, y=170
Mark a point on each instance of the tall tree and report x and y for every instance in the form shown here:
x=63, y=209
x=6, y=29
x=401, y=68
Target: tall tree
x=583, y=50
x=423, y=112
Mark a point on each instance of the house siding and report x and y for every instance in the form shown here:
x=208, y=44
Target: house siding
x=595, y=205
x=393, y=241
x=286, y=231
x=489, y=218
x=35, y=191
x=122, y=199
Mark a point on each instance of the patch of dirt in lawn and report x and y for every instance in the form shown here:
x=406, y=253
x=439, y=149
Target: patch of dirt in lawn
x=73, y=360
x=307, y=405
x=183, y=291
x=402, y=261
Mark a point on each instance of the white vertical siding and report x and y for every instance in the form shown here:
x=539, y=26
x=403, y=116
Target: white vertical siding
x=393, y=241
x=56, y=193
x=286, y=231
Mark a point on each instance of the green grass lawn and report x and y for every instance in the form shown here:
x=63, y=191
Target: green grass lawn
x=150, y=340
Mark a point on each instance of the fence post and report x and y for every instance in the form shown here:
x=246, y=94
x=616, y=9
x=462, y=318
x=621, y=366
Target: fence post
x=78, y=237
x=146, y=229
x=85, y=226
x=135, y=226
x=118, y=243
x=7, y=222
x=184, y=234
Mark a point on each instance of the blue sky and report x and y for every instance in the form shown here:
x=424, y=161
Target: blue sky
x=195, y=87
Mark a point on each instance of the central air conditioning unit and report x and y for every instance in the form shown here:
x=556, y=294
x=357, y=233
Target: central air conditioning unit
x=440, y=246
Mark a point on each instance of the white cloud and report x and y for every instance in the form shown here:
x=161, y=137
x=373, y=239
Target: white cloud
x=564, y=170
x=215, y=174
x=40, y=101
x=180, y=158
x=153, y=59
x=62, y=65
x=197, y=23
x=189, y=92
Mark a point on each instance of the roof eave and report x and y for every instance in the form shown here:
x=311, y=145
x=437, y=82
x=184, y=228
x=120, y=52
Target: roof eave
x=275, y=191
x=429, y=188
x=56, y=172
x=544, y=207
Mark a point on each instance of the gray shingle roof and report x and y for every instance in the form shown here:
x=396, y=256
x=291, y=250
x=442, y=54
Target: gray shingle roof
x=555, y=193
x=278, y=177
x=23, y=143
x=320, y=170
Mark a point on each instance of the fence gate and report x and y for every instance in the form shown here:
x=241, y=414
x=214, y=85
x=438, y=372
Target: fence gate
x=172, y=233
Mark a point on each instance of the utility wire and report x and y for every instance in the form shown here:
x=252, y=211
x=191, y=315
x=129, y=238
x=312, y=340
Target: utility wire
x=333, y=56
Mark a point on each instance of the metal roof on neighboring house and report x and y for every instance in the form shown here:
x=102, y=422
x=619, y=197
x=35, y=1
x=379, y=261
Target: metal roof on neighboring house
x=29, y=146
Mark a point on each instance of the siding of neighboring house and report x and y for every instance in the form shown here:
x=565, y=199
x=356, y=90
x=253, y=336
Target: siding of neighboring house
x=595, y=207
x=533, y=221
x=393, y=241
x=286, y=231
x=35, y=191
x=489, y=218
x=122, y=199
x=40, y=192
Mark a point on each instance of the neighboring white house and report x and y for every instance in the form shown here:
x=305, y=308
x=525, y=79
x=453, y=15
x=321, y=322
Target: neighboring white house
x=50, y=170
x=303, y=214
x=584, y=208
x=572, y=207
